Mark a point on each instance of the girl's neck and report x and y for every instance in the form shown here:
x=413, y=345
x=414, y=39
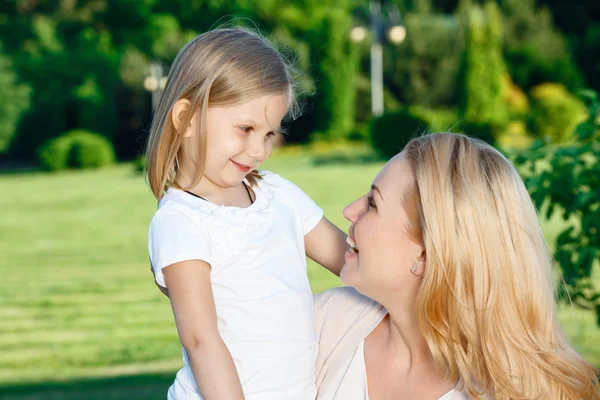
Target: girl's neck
x=237, y=196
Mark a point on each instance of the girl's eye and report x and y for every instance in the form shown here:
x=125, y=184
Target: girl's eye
x=371, y=201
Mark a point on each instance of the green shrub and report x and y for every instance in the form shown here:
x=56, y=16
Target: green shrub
x=486, y=131
x=393, y=130
x=78, y=149
x=53, y=155
x=554, y=112
x=140, y=164
x=438, y=120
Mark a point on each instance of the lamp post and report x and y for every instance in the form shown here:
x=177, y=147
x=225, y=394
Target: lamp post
x=385, y=24
x=155, y=83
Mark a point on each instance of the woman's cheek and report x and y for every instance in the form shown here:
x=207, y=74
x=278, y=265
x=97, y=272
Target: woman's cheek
x=348, y=274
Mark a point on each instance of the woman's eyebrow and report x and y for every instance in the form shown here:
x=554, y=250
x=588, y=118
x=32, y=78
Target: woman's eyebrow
x=376, y=189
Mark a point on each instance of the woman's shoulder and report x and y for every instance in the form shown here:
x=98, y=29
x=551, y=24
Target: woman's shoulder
x=345, y=297
x=343, y=319
x=344, y=310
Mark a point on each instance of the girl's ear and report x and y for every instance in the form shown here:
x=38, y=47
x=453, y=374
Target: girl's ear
x=180, y=108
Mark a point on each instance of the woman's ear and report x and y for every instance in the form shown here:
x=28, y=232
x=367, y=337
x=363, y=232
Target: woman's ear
x=178, y=113
x=420, y=264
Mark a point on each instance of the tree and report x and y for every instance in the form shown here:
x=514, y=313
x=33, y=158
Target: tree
x=13, y=102
x=566, y=179
x=337, y=70
x=535, y=50
x=483, y=67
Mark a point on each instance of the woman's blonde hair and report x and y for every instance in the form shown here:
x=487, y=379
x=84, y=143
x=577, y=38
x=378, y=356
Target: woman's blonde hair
x=219, y=68
x=486, y=305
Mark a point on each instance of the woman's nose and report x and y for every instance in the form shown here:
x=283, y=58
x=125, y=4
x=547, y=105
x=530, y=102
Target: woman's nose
x=351, y=210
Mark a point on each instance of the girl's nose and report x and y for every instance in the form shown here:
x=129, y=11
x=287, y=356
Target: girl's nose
x=258, y=149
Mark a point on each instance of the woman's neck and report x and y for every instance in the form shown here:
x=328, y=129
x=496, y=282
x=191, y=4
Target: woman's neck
x=401, y=335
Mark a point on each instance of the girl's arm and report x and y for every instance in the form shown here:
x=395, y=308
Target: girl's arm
x=193, y=304
x=326, y=244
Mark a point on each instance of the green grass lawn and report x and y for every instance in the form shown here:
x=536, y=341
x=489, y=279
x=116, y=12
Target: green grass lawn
x=81, y=317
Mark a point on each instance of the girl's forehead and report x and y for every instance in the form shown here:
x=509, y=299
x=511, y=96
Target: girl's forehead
x=267, y=107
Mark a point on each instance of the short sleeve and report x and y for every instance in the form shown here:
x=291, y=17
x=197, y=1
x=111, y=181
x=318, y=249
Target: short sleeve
x=310, y=213
x=174, y=237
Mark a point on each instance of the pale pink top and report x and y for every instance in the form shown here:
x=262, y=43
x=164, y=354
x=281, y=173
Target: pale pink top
x=344, y=318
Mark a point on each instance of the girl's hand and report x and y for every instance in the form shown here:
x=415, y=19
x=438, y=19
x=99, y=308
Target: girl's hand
x=326, y=244
x=193, y=304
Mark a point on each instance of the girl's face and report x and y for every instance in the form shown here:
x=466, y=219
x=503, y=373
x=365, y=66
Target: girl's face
x=387, y=252
x=239, y=137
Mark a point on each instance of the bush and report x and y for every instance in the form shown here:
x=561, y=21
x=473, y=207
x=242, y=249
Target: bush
x=76, y=149
x=53, y=155
x=140, y=164
x=485, y=131
x=393, y=130
x=565, y=179
x=554, y=112
x=438, y=120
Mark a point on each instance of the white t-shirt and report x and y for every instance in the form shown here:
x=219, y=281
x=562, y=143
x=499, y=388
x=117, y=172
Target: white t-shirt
x=265, y=310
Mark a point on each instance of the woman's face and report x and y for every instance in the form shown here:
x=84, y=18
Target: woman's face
x=386, y=252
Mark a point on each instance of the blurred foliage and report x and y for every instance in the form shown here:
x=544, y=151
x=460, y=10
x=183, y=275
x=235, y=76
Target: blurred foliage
x=515, y=98
x=555, y=113
x=337, y=71
x=85, y=61
x=423, y=69
x=535, y=50
x=391, y=131
x=587, y=51
x=483, y=68
x=566, y=180
x=15, y=100
x=78, y=149
x=140, y=163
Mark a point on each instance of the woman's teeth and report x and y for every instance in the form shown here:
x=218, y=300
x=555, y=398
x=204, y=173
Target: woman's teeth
x=353, y=248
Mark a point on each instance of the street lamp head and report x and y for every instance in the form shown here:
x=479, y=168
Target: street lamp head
x=358, y=34
x=151, y=83
x=397, y=34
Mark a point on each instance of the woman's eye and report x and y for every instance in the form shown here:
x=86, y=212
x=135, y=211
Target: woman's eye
x=245, y=129
x=270, y=135
x=371, y=201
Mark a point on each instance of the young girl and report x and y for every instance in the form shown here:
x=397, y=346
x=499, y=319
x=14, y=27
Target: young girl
x=229, y=242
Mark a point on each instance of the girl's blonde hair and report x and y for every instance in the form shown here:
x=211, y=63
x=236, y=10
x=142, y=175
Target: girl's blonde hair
x=219, y=68
x=486, y=306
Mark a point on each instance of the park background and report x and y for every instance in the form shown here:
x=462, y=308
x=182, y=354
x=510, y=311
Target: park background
x=80, y=317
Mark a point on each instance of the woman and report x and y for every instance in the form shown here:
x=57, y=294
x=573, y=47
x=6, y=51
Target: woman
x=459, y=302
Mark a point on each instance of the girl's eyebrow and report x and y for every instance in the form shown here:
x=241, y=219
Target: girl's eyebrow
x=376, y=189
x=253, y=123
